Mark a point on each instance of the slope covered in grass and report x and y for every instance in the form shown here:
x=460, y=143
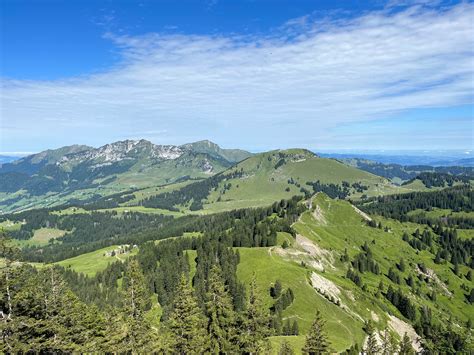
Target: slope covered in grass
x=337, y=228
x=93, y=262
x=344, y=329
x=268, y=177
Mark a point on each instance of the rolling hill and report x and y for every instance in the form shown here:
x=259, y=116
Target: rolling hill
x=268, y=177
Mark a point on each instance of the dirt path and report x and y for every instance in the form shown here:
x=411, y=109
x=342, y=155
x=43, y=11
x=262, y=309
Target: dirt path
x=318, y=216
x=363, y=214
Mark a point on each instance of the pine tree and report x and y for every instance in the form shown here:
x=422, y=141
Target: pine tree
x=285, y=349
x=401, y=265
x=286, y=327
x=316, y=340
x=405, y=346
x=187, y=324
x=295, y=329
x=136, y=295
x=221, y=314
x=371, y=346
x=9, y=253
x=130, y=330
x=48, y=317
x=254, y=324
x=389, y=344
x=275, y=291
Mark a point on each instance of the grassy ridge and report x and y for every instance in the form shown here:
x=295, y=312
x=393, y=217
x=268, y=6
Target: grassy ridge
x=266, y=178
x=342, y=228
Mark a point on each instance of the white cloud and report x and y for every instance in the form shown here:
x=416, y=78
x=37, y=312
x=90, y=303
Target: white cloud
x=256, y=91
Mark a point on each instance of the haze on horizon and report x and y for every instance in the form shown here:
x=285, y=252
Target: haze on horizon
x=330, y=76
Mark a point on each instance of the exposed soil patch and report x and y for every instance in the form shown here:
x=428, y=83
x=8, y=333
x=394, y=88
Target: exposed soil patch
x=325, y=286
x=319, y=216
x=401, y=327
x=322, y=256
x=432, y=276
x=374, y=316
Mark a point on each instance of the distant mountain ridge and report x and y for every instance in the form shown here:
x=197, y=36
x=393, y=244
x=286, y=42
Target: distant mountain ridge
x=405, y=159
x=33, y=163
x=112, y=167
x=7, y=159
x=399, y=173
x=205, y=146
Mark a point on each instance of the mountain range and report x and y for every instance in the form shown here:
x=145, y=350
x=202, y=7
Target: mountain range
x=219, y=179
x=113, y=167
x=80, y=174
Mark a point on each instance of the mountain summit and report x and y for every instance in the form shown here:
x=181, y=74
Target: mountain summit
x=208, y=147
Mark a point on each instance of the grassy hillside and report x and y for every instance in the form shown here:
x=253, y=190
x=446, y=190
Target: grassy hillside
x=91, y=263
x=265, y=179
x=258, y=180
x=344, y=329
x=314, y=268
x=41, y=236
x=335, y=226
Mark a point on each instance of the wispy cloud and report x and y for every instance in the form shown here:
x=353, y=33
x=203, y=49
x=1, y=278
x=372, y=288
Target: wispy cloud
x=291, y=86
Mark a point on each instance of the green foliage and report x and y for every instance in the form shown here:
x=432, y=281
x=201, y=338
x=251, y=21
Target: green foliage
x=316, y=340
x=371, y=347
x=222, y=318
x=435, y=179
x=398, y=206
x=389, y=344
x=187, y=325
x=405, y=347
x=254, y=327
x=285, y=349
x=275, y=290
x=43, y=315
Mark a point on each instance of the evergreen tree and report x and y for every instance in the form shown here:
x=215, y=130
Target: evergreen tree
x=316, y=340
x=285, y=349
x=187, y=325
x=389, y=343
x=470, y=297
x=129, y=329
x=221, y=314
x=401, y=265
x=136, y=294
x=287, y=327
x=295, y=329
x=9, y=253
x=405, y=346
x=275, y=291
x=254, y=324
x=45, y=316
x=371, y=347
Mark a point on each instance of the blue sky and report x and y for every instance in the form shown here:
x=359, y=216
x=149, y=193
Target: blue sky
x=261, y=74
